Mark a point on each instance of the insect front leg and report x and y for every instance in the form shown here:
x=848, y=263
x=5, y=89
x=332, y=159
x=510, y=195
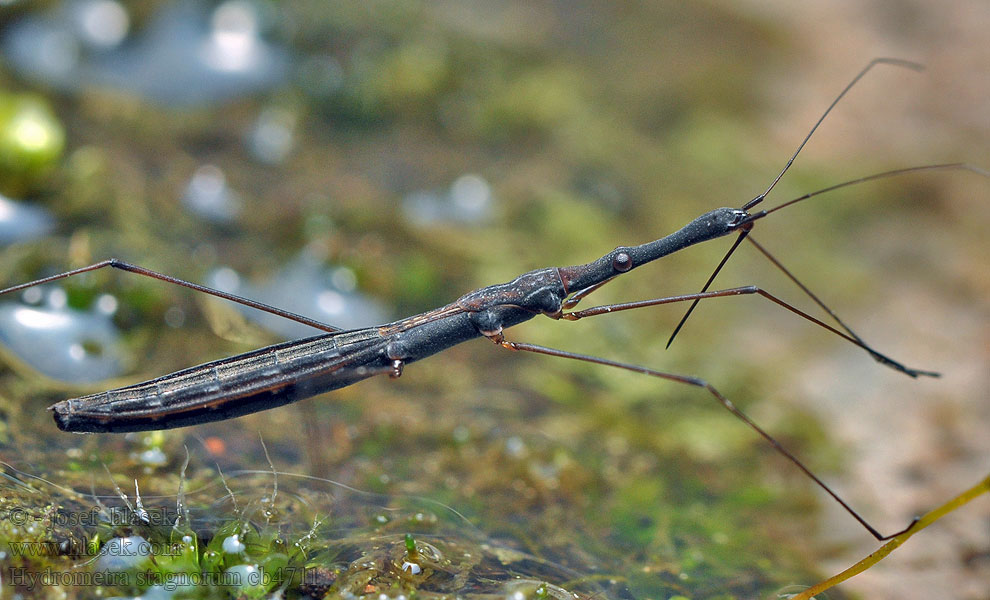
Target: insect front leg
x=753, y=290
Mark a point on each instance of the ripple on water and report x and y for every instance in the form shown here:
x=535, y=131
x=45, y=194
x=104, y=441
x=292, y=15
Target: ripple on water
x=21, y=222
x=60, y=342
x=186, y=55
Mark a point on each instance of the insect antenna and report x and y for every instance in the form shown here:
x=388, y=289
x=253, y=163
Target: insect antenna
x=897, y=62
x=746, y=227
x=883, y=175
x=876, y=61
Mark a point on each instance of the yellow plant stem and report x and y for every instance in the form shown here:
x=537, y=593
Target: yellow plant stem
x=981, y=488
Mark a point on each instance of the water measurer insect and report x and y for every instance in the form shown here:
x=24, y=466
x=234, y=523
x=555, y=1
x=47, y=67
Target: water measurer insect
x=290, y=371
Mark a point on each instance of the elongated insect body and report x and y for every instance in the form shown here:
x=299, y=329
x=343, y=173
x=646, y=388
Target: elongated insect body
x=291, y=371
x=273, y=376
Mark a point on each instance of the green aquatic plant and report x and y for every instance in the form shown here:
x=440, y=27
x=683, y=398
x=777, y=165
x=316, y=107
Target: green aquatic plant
x=249, y=544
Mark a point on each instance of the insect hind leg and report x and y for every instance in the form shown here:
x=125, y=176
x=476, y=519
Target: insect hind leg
x=132, y=268
x=726, y=403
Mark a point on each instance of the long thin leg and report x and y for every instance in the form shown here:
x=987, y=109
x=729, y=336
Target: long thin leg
x=814, y=297
x=741, y=291
x=707, y=285
x=123, y=266
x=701, y=383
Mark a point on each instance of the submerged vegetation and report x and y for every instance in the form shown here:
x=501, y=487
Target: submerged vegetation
x=527, y=519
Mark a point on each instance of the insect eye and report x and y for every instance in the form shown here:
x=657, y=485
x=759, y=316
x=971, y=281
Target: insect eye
x=622, y=262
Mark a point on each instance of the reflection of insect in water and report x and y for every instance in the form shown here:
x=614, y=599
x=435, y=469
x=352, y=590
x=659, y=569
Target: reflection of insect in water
x=291, y=371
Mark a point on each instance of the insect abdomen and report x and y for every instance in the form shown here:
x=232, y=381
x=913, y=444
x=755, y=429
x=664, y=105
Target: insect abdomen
x=226, y=388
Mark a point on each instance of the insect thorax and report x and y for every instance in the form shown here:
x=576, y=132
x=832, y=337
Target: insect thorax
x=540, y=291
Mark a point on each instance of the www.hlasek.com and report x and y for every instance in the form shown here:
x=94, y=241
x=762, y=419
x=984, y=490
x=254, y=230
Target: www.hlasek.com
x=23, y=578
x=134, y=547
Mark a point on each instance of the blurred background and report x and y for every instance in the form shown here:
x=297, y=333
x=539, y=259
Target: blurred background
x=360, y=162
